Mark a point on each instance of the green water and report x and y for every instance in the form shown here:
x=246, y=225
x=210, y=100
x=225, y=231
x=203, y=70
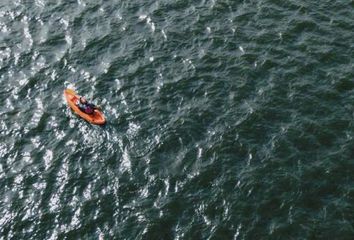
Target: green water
x=225, y=119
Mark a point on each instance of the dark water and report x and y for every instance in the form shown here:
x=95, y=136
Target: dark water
x=226, y=119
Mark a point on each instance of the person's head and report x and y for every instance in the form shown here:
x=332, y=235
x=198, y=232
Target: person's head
x=83, y=100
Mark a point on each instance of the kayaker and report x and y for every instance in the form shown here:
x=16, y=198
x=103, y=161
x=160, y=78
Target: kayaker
x=86, y=107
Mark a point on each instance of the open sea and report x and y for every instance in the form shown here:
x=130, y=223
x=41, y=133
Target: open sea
x=226, y=119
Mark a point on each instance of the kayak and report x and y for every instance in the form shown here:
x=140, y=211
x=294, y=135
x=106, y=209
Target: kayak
x=96, y=118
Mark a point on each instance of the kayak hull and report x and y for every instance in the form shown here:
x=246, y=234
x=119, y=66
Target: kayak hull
x=96, y=118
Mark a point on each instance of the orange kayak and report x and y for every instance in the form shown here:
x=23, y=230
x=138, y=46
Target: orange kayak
x=96, y=118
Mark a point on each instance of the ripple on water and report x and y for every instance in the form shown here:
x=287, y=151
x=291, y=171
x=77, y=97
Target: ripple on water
x=226, y=120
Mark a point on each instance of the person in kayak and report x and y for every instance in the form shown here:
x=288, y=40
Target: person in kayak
x=86, y=107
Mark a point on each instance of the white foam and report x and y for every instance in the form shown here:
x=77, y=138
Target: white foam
x=68, y=39
x=81, y=3
x=142, y=17
x=75, y=221
x=48, y=157
x=53, y=75
x=39, y=3
x=18, y=179
x=126, y=163
x=3, y=28
x=5, y=54
x=148, y=21
x=87, y=192
x=188, y=61
x=23, y=81
x=237, y=231
x=105, y=66
x=71, y=68
x=164, y=34
x=36, y=141
x=280, y=35
x=200, y=151
x=26, y=157
x=26, y=31
x=133, y=129
x=241, y=49
x=119, y=16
